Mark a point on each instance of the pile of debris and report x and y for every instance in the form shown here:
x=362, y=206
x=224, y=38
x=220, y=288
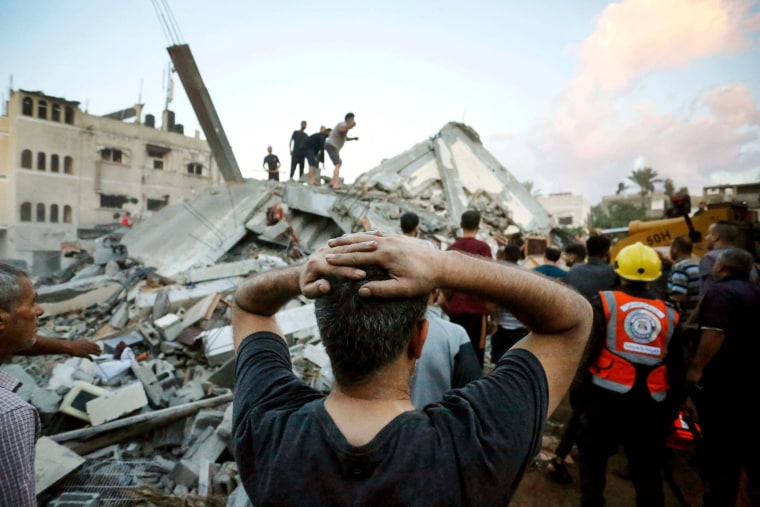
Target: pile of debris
x=151, y=415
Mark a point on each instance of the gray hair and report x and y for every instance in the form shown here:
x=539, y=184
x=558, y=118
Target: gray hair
x=736, y=261
x=10, y=286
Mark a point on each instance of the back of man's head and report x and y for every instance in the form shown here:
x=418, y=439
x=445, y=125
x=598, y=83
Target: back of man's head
x=470, y=220
x=577, y=251
x=509, y=253
x=552, y=253
x=363, y=334
x=10, y=286
x=409, y=221
x=727, y=233
x=683, y=244
x=597, y=246
x=736, y=262
x=349, y=116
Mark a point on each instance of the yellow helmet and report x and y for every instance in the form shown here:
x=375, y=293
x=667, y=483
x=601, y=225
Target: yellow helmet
x=638, y=262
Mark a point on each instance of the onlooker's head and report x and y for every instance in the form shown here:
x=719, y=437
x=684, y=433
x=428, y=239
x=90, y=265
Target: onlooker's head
x=509, y=253
x=574, y=253
x=303, y=125
x=410, y=223
x=598, y=246
x=721, y=235
x=735, y=262
x=552, y=253
x=350, y=121
x=470, y=220
x=681, y=247
x=364, y=334
x=18, y=311
x=269, y=149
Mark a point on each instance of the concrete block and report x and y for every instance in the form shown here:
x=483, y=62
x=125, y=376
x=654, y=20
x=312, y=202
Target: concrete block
x=75, y=401
x=130, y=340
x=116, y=403
x=218, y=345
x=151, y=384
x=120, y=316
x=170, y=325
x=53, y=462
x=150, y=333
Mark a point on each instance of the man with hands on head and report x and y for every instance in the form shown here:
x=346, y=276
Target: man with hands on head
x=296, y=445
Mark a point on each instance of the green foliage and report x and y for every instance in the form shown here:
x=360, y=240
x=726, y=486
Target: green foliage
x=644, y=178
x=670, y=187
x=617, y=214
x=531, y=188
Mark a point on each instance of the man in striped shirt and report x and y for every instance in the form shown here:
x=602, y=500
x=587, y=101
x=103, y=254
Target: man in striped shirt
x=683, y=285
x=19, y=421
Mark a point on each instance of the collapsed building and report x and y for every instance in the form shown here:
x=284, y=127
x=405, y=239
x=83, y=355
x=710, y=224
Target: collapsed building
x=151, y=416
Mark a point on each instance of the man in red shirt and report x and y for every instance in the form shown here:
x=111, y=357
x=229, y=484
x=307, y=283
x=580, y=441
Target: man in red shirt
x=469, y=311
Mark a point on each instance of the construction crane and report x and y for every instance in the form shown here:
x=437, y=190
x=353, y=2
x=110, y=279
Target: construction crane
x=192, y=82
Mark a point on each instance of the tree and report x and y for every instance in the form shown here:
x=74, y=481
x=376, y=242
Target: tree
x=644, y=178
x=670, y=187
x=529, y=186
x=617, y=214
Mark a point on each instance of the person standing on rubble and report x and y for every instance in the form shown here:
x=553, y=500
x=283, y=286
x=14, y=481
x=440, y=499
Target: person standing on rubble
x=272, y=165
x=19, y=421
x=298, y=150
x=464, y=309
x=334, y=143
x=722, y=377
x=315, y=147
x=296, y=446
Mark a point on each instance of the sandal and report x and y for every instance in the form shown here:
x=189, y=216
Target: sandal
x=556, y=470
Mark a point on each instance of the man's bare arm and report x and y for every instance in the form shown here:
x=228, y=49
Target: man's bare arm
x=44, y=345
x=710, y=342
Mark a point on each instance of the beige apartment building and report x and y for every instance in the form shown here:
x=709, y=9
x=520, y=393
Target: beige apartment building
x=64, y=172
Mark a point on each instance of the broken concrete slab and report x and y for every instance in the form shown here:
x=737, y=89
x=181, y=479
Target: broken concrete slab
x=76, y=295
x=196, y=233
x=170, y=325
x=222, y=270
x=180, y=297
x=115, y=404
x=53, y=462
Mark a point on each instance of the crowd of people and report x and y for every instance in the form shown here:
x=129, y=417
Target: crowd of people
x=311, y=149
x=415, y=417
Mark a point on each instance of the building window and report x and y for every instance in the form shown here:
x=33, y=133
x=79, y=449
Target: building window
x=111, y=155
x=41, y=161
x=158, y=164
x=54, y=213
x=40, y=212
x=27, y=106
x=42, y=110
x=68, y=165
x=26, y=159
x=565, y=220
x=112, y=201
x=67, y=214
x=70, y=115
x=157, y=204
x=56, y=112
x=195, y=168
x=26, y=212
x=54, y=163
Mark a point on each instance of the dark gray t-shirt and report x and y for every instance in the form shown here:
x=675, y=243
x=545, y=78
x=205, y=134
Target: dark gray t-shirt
x=471, y=448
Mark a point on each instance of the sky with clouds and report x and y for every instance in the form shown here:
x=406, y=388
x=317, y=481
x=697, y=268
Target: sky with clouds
x=570, y=95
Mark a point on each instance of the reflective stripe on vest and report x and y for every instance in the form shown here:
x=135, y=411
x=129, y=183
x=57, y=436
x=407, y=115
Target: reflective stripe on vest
x=638, y=332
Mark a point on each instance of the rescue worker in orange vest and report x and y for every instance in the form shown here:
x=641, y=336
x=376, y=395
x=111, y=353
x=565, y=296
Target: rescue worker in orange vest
x=631, y=381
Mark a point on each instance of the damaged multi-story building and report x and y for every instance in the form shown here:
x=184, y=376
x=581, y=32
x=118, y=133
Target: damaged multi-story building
x=63, y=172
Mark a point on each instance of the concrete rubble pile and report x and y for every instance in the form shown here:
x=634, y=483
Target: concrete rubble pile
x=151, y=415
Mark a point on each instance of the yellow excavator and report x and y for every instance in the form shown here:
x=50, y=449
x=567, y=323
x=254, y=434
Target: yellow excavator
x=660, y=233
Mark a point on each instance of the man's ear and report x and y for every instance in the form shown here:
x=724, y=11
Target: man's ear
x=418, y=339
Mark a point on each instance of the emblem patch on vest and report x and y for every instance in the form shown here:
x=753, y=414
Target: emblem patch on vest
x=641, y=326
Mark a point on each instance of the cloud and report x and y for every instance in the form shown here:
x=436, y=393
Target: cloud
x=602, y=127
